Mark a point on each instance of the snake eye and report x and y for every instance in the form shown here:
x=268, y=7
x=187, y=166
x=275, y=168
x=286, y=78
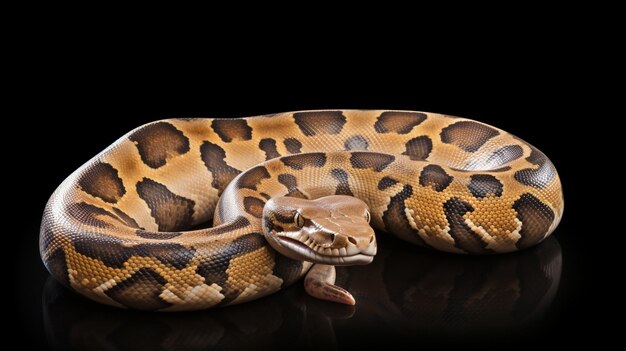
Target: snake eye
x=368, y=217
x=298, y=219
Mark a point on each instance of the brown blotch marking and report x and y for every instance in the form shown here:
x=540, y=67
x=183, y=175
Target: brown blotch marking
x=464, y=238
x=102, y=180
x=293, y=145
x=467, y=135
x=541, y=176
x=291, y=183
x=373, y=160
x=386, y=182
x=356, y=142
x=266, y=196
x=483, y=185
x=171, y=212
x=213, y=268
x=114, y=252
x=91, y=215
x=287, y=269
x=126, y=219
x=109, y=250
x=214, y=160
x=343, y=188
x=317, y=159
x=231, y=129
x=253, y=206
x=435, y=176
x=239, y=223
x=320, y=122
x=175, y=255
x=419, y=148
x=536, y=218
x=57, y=266
x=395, y=219
x=269, y=147
x=156, y=235
x=159, y=142
x=141, y=291
x=252, y=177
x=398, y=122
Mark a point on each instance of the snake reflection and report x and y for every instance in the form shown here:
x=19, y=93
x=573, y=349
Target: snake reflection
x=440, y=294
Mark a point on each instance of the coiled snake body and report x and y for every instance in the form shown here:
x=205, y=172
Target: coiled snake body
x=290, y=194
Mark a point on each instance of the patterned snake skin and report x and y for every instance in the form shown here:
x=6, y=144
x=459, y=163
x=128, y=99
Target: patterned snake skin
x=124, y=228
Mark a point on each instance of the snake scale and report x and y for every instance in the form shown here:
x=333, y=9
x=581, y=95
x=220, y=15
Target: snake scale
x=290, y=195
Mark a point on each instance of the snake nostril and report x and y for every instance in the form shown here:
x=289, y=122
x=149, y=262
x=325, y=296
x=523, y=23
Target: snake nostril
x=352, y=240
x=371, y=238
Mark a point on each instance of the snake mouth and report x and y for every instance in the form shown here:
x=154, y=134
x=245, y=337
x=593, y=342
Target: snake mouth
x=298, y=250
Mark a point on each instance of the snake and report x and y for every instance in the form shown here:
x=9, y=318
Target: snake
x=193, y=213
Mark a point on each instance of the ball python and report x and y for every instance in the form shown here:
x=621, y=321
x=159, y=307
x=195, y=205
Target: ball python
x=291, y=195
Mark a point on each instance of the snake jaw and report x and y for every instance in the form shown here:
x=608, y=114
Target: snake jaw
x=331, y=230
x=299, y=245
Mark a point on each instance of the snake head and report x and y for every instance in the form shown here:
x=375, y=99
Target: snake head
x=330, y=230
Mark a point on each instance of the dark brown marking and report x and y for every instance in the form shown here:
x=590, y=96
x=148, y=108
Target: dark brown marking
x=269, y=147
x=536, y=218
x=317, y=159
x=57, y=266
x=467, y=135
x=157, y=235
x=126, y=219
x=102, y=180
x=373, y=160
x=239, y=223
x=287, y=269
x=252, y=177
x=214, y=160
x=398, y=122
x=159, y=142
x=343, y=188
x=141, y=291
x=483, y=185
x=386, y=182
x=293, y=145
x=91, y=215
x=435, y=176
x=214, y=267
x=107, y=249
x=291, y=183
x=171, y=212
x=395, y=219
x=231, y=129
x=253, y=206
x=464, y=238
x=419, y=148
x=114, y=252
x=320, y=122
x=357, y=142
x=539, y=177
x=175, y=255
x=266, y=196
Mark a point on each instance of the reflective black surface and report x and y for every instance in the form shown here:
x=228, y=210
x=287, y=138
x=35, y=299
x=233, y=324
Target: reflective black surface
x=413, y=295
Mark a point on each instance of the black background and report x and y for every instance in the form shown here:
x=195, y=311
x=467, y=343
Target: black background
x=82, y=108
